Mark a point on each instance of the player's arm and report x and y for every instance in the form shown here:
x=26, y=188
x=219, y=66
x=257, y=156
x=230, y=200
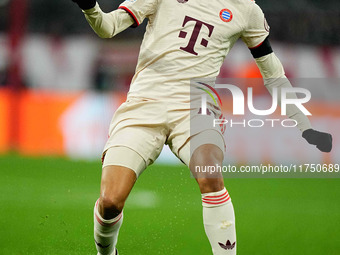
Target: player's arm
x=106, y=25
x=256, y=38
x=274, y=77
x=129, y=13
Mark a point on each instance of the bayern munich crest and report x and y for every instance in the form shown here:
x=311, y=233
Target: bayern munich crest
x=226, y=15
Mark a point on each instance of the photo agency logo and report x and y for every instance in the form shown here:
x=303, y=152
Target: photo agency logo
x=286, y=97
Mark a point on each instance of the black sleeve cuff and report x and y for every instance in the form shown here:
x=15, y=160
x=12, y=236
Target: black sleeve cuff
x=261, y=50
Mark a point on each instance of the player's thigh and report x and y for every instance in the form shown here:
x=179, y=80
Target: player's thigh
x=205, y=148
x=120, y=168
x=116, y=185
x=138, y=129
x=192, y=130
x=205, y=152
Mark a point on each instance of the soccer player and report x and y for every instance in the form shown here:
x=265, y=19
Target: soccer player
x=184, y=40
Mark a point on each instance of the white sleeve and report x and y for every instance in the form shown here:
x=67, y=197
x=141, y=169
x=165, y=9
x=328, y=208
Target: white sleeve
x=257, y=29
x=274, y=77
x=107, y=25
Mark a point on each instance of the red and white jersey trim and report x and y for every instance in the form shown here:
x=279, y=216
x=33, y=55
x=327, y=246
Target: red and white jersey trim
x=131, y=13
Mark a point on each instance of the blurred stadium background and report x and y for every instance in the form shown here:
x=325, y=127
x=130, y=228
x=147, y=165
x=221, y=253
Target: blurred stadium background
x=60, y=85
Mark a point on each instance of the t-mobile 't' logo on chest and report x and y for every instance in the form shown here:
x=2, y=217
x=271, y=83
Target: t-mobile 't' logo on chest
x=193, y=39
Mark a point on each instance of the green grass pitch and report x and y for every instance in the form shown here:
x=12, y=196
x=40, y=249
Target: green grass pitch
x=47, y=205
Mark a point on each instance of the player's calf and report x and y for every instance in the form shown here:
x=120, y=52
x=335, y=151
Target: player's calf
x=116, y=184
x=208, y=184
x=218, y=211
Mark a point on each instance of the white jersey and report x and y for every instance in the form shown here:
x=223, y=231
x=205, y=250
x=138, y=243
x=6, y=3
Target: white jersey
x=189, y=39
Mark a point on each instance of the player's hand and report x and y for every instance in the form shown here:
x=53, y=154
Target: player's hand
x=85, y=4
x=323, y=141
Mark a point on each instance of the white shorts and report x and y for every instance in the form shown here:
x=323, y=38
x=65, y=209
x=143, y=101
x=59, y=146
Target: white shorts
x=140, y=128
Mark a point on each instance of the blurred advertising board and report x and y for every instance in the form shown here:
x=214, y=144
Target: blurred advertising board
x=76, y=125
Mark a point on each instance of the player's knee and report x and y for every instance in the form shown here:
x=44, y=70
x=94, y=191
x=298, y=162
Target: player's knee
x=112, y=205
x=206, y=155
x=205, y=164
x=208, y=185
